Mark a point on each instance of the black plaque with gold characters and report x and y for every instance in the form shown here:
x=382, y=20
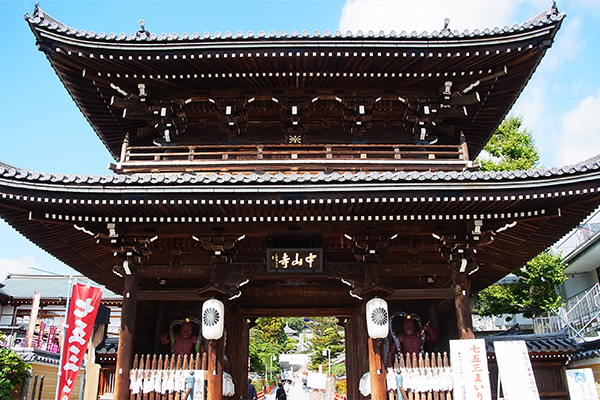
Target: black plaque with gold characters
x=295, y=260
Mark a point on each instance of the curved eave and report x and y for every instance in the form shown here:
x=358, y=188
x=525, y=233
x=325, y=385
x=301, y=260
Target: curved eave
x=89, y=65
x=64, y=218
x=467, y=41
x=587, y=170
x=46, y=26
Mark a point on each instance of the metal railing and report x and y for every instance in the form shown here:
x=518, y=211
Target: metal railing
x=580, y=314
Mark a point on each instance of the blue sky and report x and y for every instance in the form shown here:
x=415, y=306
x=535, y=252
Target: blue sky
x=41, y=128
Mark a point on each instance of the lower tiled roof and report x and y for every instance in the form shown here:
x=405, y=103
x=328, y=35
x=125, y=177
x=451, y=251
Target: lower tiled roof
x=19, y=174
x=538, y=343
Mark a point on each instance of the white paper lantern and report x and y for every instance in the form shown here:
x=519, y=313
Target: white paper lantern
x=213, y=318
x=377, y=318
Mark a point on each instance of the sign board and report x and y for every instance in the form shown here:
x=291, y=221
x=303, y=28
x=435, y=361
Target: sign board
x=515, y=370
x=316, y=381
x=581, y=384
x=294, y=260
x=470, y=369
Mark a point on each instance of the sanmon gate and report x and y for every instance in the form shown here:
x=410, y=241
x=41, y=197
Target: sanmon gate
x=294, y=175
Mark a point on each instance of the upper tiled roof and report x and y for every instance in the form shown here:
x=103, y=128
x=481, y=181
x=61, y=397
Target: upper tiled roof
x=18, y=174
x=5, y=165
x=42, y=19
x=239, y=88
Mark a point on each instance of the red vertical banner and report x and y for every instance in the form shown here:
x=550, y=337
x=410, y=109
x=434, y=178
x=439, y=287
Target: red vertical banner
x=83, y=307
x=51, y=336
x=40, y=340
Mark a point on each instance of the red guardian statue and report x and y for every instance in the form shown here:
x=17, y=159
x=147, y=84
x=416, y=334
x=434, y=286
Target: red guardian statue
x=411, y=337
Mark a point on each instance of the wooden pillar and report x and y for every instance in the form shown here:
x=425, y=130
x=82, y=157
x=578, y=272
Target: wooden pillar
x=377, y=369
x=35, y=306
x=127, y=331
x=215, y=370
x=356, y=353
x=461, y=301
x=92, y=370
x=237, y=353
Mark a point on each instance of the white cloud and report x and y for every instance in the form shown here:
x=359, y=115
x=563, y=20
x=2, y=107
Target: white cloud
x=20, y=266
x=429, y=15
x=580, y=137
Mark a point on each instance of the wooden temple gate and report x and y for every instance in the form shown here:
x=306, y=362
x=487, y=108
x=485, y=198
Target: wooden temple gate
x=294, y=175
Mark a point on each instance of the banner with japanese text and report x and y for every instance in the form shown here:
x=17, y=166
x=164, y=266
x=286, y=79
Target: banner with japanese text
x=515, y=370
x=83, y=307
x=470, y=369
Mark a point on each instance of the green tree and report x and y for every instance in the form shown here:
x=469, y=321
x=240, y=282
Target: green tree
x=272, y=329
x=267, y=341
x=326, y=336
x=338, y=369
x=532, y=293
x=510, y=148
x=295, y=323
x=13, y=372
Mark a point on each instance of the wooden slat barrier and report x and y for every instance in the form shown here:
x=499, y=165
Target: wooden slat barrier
x=162, y=377
x=424, y=377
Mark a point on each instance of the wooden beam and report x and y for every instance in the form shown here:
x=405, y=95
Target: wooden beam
x=170, y=295
x=390, y=227
x=398, y=294
x=179, y=272
x=204, y=271
x=298, y=312
x=437, y=269
x=422, y=294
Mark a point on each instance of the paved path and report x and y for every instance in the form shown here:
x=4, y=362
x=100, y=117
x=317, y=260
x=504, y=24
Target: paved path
x=294, y=392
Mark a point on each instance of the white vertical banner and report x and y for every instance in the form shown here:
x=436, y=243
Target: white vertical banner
x=581, y=384
x=515, y=370
x=199, y=380
x=470, y=369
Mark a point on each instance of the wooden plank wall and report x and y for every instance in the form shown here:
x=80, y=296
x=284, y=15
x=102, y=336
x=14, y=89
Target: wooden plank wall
x=50, y=373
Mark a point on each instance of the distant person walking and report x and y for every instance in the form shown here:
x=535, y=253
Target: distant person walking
x=251, y=391
x=280, y=393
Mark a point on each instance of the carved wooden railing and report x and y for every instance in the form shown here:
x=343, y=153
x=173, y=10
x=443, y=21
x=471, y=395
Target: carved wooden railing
x=162, y=377
x=292, y=158
x=423, y=377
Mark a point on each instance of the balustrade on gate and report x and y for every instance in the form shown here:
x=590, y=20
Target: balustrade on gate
x=421, y=377
x=163, y=377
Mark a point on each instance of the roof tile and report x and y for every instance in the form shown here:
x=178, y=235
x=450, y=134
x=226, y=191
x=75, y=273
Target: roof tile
x=42, y=19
